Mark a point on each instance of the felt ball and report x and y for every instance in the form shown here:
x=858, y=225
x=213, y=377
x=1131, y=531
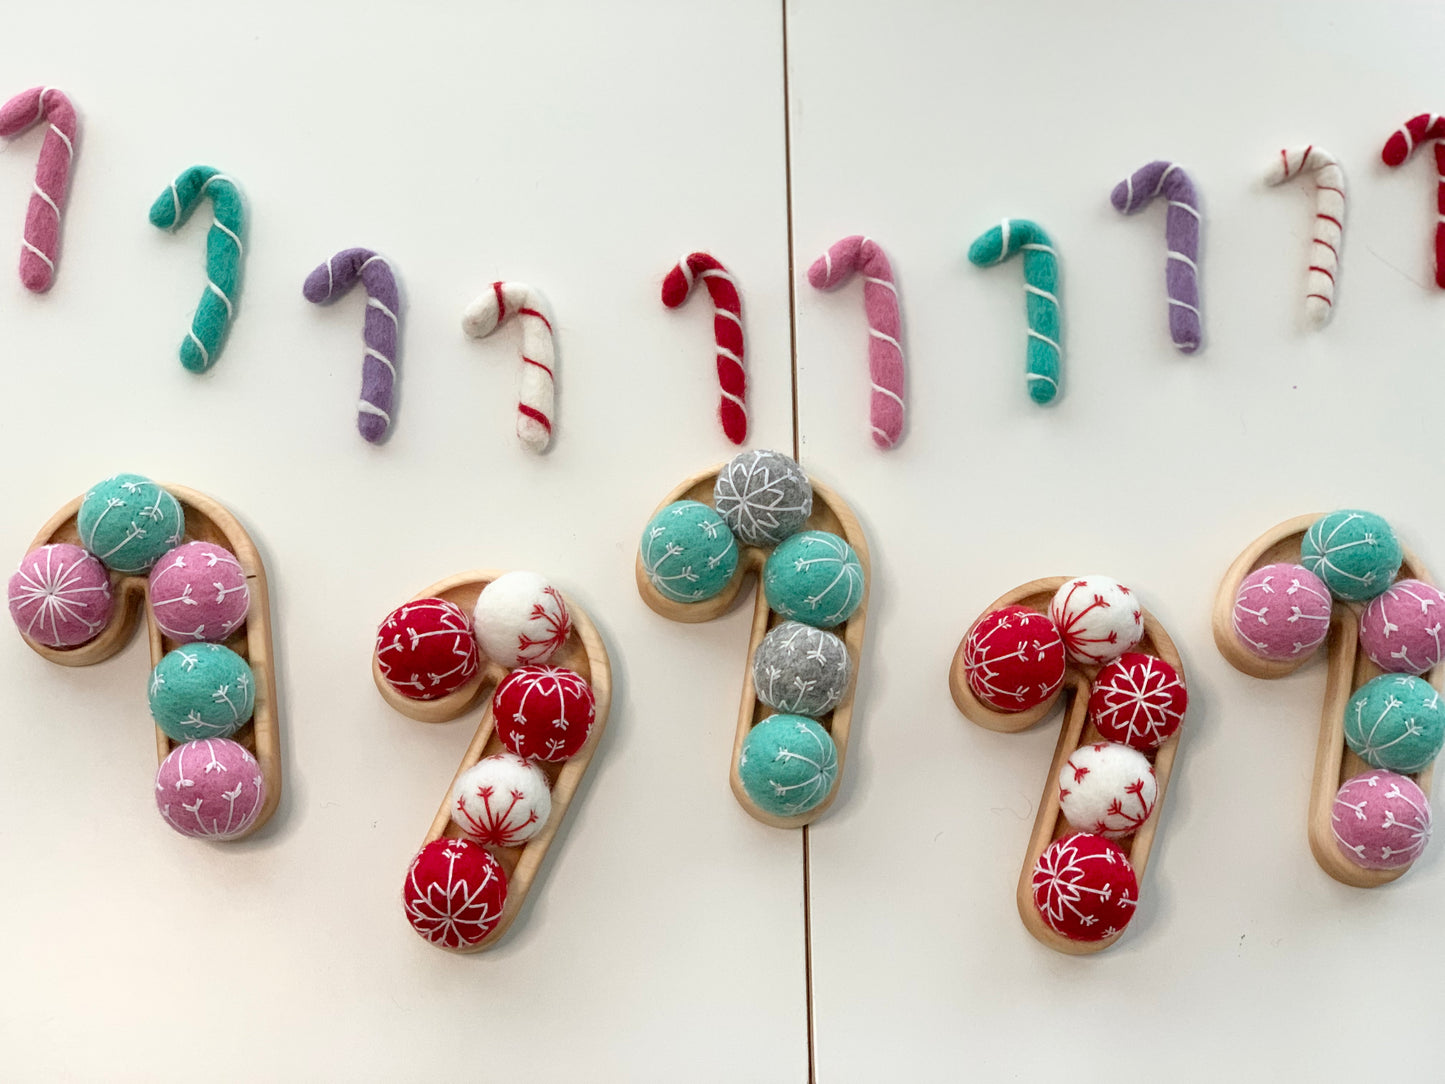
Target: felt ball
x=814, y=577
x=501, y=801
x=1396, y=722
x=1355, y=553
x=800, y=670
x=425, y=649
x=201, y=691
x=688, y=552
x=1084, y=887
x=788, y=764
x=129, y=522
x=544, y=712
x=1107, y=789
x=1098, y=617
x=211, y=788
x=763, y=497
x=454, y=892
x=1400, y=630
x=1381, y=820
x=520, y=619
x=1138, y=700
x=1014, y=658
x=198, y=591
x=60, y=596
x=1282, y=612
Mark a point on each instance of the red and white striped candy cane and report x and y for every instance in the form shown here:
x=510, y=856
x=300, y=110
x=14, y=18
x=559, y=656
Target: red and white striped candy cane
x=880, y=302
x=41, y=246
x=727, y=329
x=1415, y=131
x=1329, y=222
x=536, y=381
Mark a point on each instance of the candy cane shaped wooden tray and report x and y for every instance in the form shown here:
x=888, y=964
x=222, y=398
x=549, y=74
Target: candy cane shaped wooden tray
x=830, y=513
x=206, y=521
x=1348, y=668
x=583, y=652
x=1077, y=730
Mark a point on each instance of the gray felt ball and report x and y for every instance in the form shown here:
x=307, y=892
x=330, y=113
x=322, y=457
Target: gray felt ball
x=801, y=670
x=763, y=497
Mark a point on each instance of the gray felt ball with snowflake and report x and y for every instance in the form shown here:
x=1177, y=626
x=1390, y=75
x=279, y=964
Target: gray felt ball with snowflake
x=763, y=497
x=801, y=670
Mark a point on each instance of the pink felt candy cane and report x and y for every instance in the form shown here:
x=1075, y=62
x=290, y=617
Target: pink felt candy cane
x=41, y=246
x=880, y=302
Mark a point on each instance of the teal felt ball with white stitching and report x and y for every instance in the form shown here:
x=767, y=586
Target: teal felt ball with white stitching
x=1396, y=722
x=814, y=577
x=688, y=552
x=202, y=691
x=130, y=522
x=1356, y=554
x=788, y=764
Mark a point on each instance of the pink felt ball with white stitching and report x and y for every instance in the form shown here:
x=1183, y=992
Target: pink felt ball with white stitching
x=1098, y=617
x=212, y=788
x=198, y=591
x=60, y=596
x=1400, y=630
x=1282, y=612
x=501, y=801
x=1381, y=820
x=1107, y=789
x=520, y=619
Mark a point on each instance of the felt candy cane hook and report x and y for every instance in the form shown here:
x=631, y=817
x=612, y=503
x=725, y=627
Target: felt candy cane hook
x=202, y=344
x=41, y=246
x=537, y=379
x=880, y=302
x=1045, y=356
x=727, y=327
x=379, y=332
x=1329, y=222
x=1181, y=232
x=1424, y=128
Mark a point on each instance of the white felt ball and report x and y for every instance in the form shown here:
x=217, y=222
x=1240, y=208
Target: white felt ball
x=1098, y=617
x=520, y=619
x=1107, y=789
x=501, y=801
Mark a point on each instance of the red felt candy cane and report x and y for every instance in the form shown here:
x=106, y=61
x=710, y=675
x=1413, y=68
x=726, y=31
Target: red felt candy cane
x=1415, y=131
x=727, y=327
x=41, y=246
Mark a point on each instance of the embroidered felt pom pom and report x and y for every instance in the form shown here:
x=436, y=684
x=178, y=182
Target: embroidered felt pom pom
x=1107, y=789
x=1400, y=630
x=800, y=670
x=1138, y=700
x=520, y=618
x=1014, y=659
x=60, y=596
x=454, y=893
x=501, y=801
x=1381, y=820
x=688, y=552
x=202, y=691
x=1282, y=612
x=1084, y=887
x=763, y=497
x=212, y=788
x=198, y=591
x=425, y=649
x=788, y=764
x=1098, y=617
x=1396, y=721
x=129, y=522
x=814, y=577
x=1356, y=553
x=544, y=712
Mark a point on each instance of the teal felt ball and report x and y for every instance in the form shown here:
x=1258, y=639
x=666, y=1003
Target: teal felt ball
x=1356, y=554
x=1396, y=722
x=788, y=764
x=202, y=691
x=814, y=577
x=688, y=552
x=130, y=522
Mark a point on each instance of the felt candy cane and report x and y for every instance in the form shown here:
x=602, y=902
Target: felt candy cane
x=1045, y=356
x=1181, y=232
x=536, y=382
x=202, y=344
x=880, y=303
x=727, y=328
x=379, y=332
x=1424, y=128
x=1329, y=222
x=41, y=246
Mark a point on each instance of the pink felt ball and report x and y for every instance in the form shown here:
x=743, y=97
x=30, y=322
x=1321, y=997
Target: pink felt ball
x=198, y=592
x=1400, y=630
x=1282, y=612
x=211, y=788
x=60, y=596
x=1381, y=820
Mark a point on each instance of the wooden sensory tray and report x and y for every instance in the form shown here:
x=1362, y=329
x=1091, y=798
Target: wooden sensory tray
x=1348, y=669
x=206, y=521
x=583, y=652
x=830, y=513
x=1077, y=730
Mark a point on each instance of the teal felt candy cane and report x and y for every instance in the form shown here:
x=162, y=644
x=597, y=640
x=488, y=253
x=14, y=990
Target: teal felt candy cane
x=202, y=344
x=1041, y=276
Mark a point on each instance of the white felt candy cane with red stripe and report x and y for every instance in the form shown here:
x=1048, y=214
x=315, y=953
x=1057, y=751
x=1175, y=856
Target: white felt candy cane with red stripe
x=536, y=380
x=1329, y=222
x=727, y=329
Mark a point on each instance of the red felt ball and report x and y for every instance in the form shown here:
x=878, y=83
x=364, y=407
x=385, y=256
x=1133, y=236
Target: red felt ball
x=426, y=649
x=454, y=892
x=1084, y=887
x=1138, y=700
x=544, y=712
x=1014, y=658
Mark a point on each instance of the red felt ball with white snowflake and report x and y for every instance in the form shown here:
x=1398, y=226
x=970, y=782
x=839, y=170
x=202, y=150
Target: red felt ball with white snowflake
x=454, y=892
x=425, y=649
x=1084, y=887
x=1107, y=789
x=1138, y=700
x=1099, y=618
x=544, y=712
x=1014, y=658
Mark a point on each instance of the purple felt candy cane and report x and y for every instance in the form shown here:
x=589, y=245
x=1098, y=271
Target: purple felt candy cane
x=1181, y=231
x=378, y=365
